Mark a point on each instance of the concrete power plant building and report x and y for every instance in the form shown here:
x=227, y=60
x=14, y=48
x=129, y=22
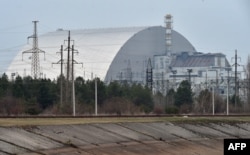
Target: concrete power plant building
x=122, y=54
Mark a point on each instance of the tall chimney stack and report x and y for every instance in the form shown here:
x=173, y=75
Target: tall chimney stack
x=169, y=27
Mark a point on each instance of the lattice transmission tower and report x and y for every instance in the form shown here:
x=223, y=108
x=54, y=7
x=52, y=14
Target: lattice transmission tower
x=149, y=75
x=35, y=61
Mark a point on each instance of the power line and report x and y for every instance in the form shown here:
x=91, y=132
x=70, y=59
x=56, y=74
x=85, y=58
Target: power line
x=70, y=70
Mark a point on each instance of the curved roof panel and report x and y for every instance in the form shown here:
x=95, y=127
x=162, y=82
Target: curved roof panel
x=96, y=50
x=108, y=52
x=131, y=61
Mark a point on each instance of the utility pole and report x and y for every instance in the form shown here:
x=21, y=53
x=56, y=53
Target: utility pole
x=149, y=75
x=236, y=84
x=61, y=74
x=70, y=71
x=68, y=49
x=61, y=77
x=68, y=58
x=189, y=75
x=96, y=112
x=35, y=61
x=174, y=77
x=227, y=91
x=213, y=100
x=235, y=79
x=167, y=87
x=162, y=83
x=129, y=73
x=73, y=84
x=206, y=79
x=73, y=80
x=68, y=68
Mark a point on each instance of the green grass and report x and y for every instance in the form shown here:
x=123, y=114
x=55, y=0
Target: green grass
x=67, y=121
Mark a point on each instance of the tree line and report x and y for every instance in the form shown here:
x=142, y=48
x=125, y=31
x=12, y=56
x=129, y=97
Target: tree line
x=28, y=96
x=37, y=96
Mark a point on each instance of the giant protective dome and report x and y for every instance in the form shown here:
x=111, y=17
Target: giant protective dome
x=106, y=53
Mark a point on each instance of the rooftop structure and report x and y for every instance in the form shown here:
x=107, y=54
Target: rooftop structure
x=204, y=71
x=200, y=60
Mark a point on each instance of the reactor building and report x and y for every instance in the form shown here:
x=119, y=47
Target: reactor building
x=157, y=56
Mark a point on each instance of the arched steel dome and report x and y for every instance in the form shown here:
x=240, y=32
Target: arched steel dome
x=105, y=53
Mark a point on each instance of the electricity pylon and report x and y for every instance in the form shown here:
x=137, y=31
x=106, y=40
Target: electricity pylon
x=149, y=75
x=236, y=78
x=35, y=61
x=70, y=62
x=61, y=61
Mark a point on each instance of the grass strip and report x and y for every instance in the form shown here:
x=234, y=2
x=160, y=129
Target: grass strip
x=68, y=121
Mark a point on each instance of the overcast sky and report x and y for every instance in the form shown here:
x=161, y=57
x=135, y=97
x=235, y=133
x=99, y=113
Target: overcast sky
x=210, y=25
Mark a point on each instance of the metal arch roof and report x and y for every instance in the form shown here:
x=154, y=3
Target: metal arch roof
x=134, y=55
x=97, y=48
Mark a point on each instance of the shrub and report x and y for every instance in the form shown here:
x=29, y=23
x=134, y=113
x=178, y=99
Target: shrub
x=119, y=106
x=171, y=110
